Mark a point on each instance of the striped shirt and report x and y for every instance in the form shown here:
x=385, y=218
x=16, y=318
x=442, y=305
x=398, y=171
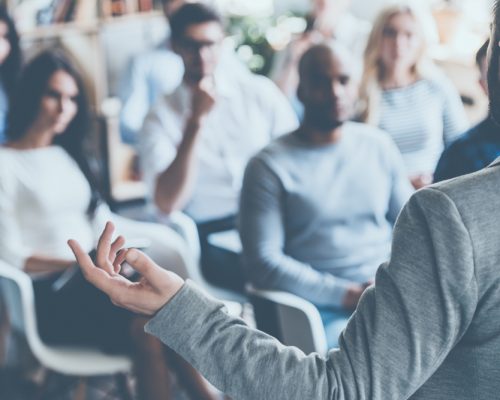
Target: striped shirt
x=422, y=119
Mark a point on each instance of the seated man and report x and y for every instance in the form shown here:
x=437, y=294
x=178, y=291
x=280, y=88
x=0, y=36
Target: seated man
x=318, y=205
x=195, y=143
x=478, y=147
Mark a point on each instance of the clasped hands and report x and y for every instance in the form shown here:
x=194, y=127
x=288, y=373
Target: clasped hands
x=156, y=287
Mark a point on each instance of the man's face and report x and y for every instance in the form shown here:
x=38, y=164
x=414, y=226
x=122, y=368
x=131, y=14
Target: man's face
x=200, y=48
x=328, y=91
x=494, y=75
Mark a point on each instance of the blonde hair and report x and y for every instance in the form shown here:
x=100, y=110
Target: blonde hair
x=373, y=72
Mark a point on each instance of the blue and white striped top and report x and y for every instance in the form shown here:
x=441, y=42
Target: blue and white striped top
x=422, y=119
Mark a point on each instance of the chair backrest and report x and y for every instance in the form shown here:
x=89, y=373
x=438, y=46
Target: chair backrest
x=16, y=289
x=291, y=319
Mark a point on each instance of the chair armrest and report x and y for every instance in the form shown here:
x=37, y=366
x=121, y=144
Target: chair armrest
x=186, y=227
x=289, y=306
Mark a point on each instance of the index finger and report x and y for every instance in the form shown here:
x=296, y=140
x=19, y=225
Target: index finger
x=104, y=247
x=97, y=276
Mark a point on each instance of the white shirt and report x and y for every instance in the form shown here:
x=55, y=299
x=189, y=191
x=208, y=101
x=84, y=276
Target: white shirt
x=149, y=75
x=248, y=113
x=155, y=73
x=43, y=202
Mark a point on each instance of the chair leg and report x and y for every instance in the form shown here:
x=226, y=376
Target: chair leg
x=81, y=389
x=123, y=386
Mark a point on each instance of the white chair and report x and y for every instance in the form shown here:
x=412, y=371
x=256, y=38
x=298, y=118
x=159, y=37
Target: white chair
x=17, y=291
x=186, y=227
x=291, y=319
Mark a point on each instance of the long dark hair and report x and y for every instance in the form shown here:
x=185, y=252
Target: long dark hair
x=493, y=68
x=10, y=68
x=26, y=106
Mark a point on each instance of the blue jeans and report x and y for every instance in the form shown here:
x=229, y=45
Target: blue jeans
x=334, y=322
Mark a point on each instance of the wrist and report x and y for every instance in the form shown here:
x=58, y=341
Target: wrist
x=195, y=120
x=193, y=126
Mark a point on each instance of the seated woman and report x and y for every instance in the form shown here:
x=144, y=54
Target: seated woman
x=48, y=192
x=404, y=94
x=10, y=64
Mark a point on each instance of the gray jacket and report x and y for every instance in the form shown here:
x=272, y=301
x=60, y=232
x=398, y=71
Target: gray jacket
x=428, y=329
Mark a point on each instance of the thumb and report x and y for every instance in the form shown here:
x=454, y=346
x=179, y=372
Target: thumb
x=144, y=265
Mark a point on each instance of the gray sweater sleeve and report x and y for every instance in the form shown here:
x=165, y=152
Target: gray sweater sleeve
x=422, y=303
x=261, y=227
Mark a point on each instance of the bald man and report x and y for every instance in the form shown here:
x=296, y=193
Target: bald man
x=318, y=205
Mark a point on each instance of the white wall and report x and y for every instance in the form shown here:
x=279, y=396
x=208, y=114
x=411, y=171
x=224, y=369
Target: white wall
x=368, y=9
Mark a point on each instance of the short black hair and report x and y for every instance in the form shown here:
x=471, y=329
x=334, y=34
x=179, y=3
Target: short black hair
x=481, y=53
x=191, y=14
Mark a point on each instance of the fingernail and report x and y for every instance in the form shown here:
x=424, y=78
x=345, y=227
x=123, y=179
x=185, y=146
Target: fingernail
x=132, y=255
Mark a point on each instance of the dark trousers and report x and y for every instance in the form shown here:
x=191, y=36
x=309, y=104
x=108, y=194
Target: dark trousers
x=80, y=315
x=220, y=266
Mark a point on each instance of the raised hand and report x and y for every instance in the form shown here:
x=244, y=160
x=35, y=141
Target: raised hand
x=155, y=288
x=203, y=98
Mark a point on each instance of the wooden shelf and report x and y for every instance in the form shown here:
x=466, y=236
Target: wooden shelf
x=55, y=30
x=90, y=27
x=129, y=17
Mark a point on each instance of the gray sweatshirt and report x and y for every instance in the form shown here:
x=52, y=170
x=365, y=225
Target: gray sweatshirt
x=314, y=219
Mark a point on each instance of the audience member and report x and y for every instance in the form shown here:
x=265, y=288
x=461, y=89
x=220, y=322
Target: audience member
x=478, y=147
x=427, y=329
x=149, y=75
x=404, y=94
x=329, y=19
x=10, y=64
x=155, y=73
x=196, y=142
x=47, y=192
x=318, y=205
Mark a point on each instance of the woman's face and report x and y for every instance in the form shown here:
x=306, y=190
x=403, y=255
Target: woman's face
x=401, y=42
x=4, y=42
x=58, y=106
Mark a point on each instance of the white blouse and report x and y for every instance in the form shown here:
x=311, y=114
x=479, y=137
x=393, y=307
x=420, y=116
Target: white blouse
x=44, y=198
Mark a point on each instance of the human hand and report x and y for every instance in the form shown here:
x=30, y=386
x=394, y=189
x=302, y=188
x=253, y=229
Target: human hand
x=352, y=296
x=299, y=46
x=419, y=181
x=155, y=288
x=203, y=98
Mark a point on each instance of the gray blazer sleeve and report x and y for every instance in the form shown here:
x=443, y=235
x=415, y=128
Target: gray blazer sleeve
x=404, y=328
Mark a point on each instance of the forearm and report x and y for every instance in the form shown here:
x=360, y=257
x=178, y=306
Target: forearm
x=287, y=81
x=37, y=264
x=242, y=362
x=282, y=272
x=174, y=185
